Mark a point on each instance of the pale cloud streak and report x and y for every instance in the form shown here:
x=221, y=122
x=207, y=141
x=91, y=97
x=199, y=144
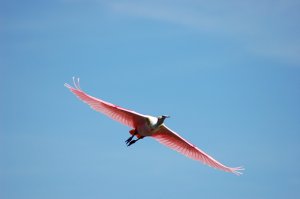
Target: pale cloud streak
x=264, y=28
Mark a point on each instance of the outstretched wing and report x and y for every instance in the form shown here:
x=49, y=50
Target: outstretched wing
x=174, y=141
x=124, y=116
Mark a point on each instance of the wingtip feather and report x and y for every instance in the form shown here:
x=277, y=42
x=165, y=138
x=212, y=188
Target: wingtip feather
x=67, y=85
x=237, y=170
x=75, y=83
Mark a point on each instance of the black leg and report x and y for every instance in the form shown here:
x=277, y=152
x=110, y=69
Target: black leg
x=131, y=137
x=134, y=141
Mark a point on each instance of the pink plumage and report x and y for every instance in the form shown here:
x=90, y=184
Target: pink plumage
x=124, y=116
x=149, y=126
x=174, y=141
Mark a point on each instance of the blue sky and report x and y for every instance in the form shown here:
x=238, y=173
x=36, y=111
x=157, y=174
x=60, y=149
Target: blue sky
x=228, y=73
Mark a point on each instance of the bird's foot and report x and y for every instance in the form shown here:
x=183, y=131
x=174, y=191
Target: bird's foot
x=133, y=132
x=134, y=141
x=129, y=139
x=131, y=142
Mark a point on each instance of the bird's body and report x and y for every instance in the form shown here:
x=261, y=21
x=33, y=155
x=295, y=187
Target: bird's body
x=149, y=126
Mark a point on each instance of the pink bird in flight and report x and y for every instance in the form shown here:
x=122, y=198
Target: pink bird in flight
x=149, y=126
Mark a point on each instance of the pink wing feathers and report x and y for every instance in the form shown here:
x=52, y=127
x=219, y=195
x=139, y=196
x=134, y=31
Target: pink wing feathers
x=164, y=135
x=174, y=141
x=124, y=116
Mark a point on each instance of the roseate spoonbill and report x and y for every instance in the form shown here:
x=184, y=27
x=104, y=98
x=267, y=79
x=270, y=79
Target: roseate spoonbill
x=149, y=126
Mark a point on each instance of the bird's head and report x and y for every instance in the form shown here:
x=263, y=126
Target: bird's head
x=163, y=117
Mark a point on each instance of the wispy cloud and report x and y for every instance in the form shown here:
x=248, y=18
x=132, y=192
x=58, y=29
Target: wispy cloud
x=263, y=27
x=164, y=13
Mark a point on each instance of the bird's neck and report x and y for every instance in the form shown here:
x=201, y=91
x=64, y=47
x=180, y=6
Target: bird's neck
x=160, y=121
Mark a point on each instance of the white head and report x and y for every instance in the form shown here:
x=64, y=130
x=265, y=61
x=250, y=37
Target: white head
x=162, y=118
